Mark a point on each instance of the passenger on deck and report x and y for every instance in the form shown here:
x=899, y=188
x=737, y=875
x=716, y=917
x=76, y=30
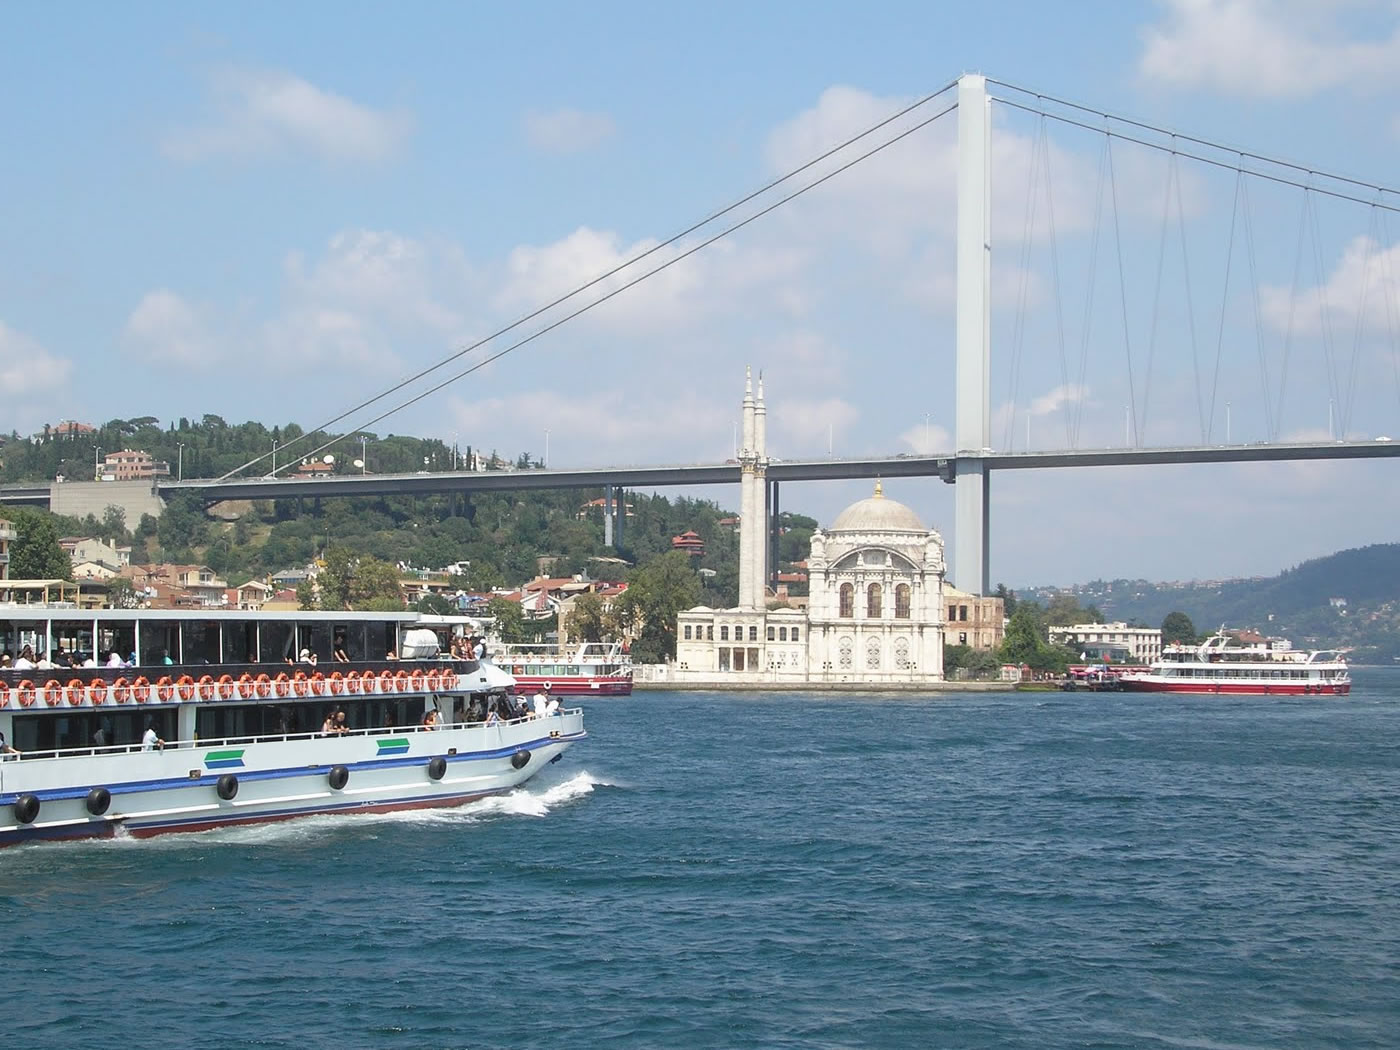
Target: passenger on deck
x=391, y=655
x=25, y=661
x=307, y=657
x=334, y=725
x=542, y=702
x=150, y=740
x=338, y=650
x=430, y=720
x=114, y=659
x=6, y=751
x=479, y=649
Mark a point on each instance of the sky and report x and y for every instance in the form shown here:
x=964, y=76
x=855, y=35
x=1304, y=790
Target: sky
x=276, y=212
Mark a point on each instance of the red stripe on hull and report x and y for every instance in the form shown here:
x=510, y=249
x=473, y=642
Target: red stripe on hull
x=1238, y=688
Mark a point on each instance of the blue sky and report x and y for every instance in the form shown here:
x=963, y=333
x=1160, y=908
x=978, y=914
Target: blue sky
x=272, y=211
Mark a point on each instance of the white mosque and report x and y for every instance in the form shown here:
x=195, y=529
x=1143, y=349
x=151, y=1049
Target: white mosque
x=877, y=594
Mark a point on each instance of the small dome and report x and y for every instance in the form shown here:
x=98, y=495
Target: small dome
x=877, y=514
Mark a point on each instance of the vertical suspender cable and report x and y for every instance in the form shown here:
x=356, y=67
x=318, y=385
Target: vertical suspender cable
x=1123, y=295
x=1224, y=306
x=1264, y=384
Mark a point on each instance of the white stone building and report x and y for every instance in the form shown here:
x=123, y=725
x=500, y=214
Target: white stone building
x=876, y=607
x=1116, y=641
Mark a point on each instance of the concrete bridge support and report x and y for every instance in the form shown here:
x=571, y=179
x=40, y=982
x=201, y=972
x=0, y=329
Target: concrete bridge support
x=971, y=569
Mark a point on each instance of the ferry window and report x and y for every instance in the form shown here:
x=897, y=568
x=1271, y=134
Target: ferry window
x=901, y=601
x=159, y=637
x=795, y=632
x=874, y=605
x=848, y=601
x=201, y=642
x=723, y=633
x=753, y=633
x=782, y=634
x=687, y=632
x=772, y=634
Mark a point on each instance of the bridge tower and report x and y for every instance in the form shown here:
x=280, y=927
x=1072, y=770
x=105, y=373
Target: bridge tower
x=973, y=384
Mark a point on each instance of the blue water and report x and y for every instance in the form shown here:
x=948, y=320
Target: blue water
x=1011, y=870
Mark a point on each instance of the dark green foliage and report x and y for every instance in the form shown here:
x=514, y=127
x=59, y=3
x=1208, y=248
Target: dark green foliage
x=1177, y=627
x=35, y=553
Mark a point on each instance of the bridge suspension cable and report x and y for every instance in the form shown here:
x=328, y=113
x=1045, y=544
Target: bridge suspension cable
x=700, y=246
x=632, y=261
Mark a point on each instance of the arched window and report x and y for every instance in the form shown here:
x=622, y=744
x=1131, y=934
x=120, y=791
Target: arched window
x=687, y=632
x=873, y=605
x=848, y=600
x=795, y=632
x=782, y=634
x=723, y=633
x=901, y=602
x=753, y=633
x=772, y=633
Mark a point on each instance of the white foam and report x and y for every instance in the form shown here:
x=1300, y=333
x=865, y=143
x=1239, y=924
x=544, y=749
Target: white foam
x=533, y=799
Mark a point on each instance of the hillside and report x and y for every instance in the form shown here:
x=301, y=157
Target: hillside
x=1351, y=598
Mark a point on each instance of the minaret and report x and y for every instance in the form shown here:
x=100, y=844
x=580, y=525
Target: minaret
x=747, y=509
x=760, y=499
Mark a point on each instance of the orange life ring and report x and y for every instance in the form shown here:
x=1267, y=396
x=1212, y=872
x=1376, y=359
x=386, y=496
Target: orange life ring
x=247, y=688
x=447, y=678
x=386, y=681
x=53, y=692
x=141, y=689
x=299, y=685
x=185, y=687
x=206, y=687
x=337, y=683
x=353, y=684
x=367, y=680
x=76, y=693
x=24, y=693
x=279, y=684
x=402, y=681
x=4, y=693
x=225, y=687
x=318, y=684
x=263, y=685
x=418, y=681
x=165, y=689
x=97, y=691
x=121, y=691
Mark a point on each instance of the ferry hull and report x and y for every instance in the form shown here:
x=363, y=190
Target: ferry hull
x=526, y=685
x=1141, y=685
x=422, y=769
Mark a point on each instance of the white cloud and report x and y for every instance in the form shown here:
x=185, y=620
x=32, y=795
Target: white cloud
x=567, y=130
x=166, y=330
x=26, y=368
x=1269, y=48
x=265, y=111
x=803, y=425
x=927, y=438
x=1364, y=284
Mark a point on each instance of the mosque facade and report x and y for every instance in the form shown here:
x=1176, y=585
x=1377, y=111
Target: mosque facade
x=876, y=607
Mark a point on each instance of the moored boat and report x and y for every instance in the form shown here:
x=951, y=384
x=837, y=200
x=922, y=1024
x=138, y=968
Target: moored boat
x=1224, y=664
x=185, y=739
x=589, y=669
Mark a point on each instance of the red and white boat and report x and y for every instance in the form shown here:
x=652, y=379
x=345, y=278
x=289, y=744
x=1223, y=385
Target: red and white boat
x=1224, y=663
x=592, y=669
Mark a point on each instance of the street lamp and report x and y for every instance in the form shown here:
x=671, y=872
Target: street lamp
x=179, y=461
x=546, y=448
x=96, y=469
x=363, y=460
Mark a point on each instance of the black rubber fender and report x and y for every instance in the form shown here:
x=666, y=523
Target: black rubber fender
x=437, y=768
x=27, y=808
x=339, y=776
x=520, y=759
x=99, y=800
x=227, y=787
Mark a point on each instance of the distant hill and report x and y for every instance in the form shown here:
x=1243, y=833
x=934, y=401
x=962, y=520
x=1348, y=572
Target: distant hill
x=1351, y=598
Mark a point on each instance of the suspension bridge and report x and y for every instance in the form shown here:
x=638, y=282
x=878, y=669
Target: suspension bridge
x=1274, y=338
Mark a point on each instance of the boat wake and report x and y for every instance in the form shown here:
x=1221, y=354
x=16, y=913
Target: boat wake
x=536, y=799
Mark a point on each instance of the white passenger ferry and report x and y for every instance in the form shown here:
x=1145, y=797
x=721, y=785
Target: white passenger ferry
x=221, y=718
x=1224, y=664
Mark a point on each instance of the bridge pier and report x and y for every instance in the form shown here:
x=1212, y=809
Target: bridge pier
x=607, y=515
x=971, y=567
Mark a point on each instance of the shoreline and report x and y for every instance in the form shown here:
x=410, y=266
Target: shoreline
x=720, y=685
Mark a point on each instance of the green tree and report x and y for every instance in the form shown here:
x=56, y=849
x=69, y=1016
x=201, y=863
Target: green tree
x=306, y=595
x=656, y=593
x=375, y=586
x=1008, y=599
x=586, y=621
x=35, y=553
x=509, y=618
x=338, y=568
x=1178, y=628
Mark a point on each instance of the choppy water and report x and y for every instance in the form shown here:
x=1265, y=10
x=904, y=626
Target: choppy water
x=1032, y=870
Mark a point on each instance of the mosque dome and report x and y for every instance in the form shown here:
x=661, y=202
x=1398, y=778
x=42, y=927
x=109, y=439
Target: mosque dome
x=877, y=514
